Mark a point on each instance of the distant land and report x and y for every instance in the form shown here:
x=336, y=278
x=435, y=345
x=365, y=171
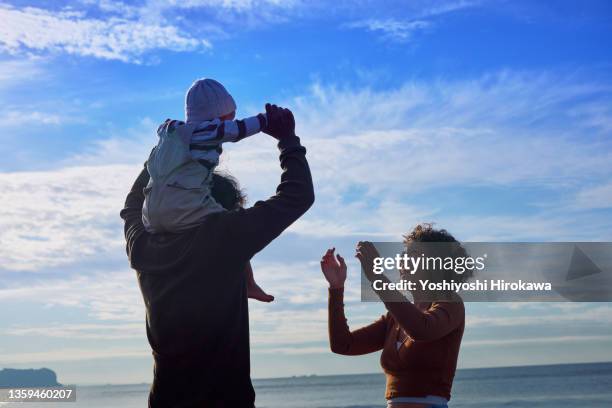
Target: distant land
x=31, y=377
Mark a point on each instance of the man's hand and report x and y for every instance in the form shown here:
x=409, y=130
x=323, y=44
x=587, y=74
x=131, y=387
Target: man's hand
x=281, y=123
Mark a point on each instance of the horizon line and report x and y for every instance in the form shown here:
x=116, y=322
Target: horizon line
x=357, y=374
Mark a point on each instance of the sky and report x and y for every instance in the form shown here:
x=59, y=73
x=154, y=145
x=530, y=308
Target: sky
x=492, y=119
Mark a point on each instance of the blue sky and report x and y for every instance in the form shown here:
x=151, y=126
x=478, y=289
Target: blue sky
x=491, y=118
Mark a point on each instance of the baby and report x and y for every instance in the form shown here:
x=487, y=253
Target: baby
x=178, y=196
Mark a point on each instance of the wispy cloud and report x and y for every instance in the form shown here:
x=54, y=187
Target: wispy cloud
x=104, y=295
x=391, y=28
x=600, y=314
x=301, y=349
x=12, y=118
x=403, y=30
x=14, y=71
x=595, y=197
x=90, y=331
x=73, y=354
x=537, y=340
x=293, y=351
x=448, y=7
x=58, y=217
x=132, y=32
x=509, y=129
x=32, y=29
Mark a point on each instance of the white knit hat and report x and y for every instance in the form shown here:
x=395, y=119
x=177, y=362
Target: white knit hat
x=207, y=99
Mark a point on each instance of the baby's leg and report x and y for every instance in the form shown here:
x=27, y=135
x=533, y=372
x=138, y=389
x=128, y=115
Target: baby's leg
x=253, y=289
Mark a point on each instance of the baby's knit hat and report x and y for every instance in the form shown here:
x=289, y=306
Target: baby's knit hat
x=207, y=99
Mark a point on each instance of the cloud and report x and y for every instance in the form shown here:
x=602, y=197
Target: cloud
x=114, y=7
x=54, y=218
x=293, y=351
x=70, y=213
x=115, y=30
x=14, y=71
x=378, y=158
x=130, y=145
x=104, y=295
x=243, y=6
x=132, y=32
x=381, y=157
x=14, y=118
x=499, y=128
x=595, y=115
x=33, y=29
x=84, y=354
x=544, y=225
x=595, y=197
x=392, y=29
x=579, y=339
x=596, y=315
x=90, y=331
x=403, y=30
x=73, y=354
x=536, y=340
x=448, y=7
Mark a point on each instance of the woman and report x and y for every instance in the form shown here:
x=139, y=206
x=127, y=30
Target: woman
x=419, y=341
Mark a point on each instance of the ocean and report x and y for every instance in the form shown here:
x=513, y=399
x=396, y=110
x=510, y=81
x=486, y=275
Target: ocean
x=569, y=385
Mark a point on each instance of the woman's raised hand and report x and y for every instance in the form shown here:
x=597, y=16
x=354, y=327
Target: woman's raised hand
x=334, y=269
x=366, y=252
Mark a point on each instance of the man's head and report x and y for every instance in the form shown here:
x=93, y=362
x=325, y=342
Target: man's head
x=207, y=99
x=226, y=191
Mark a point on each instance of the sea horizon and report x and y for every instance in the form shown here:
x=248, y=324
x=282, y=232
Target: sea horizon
x=588, y=385
x=371, y=373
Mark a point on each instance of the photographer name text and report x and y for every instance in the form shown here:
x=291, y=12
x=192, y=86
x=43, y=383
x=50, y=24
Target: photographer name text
x=476, y=285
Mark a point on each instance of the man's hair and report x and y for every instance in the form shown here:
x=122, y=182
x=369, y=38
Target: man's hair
x=425, y=232
x=226, y=191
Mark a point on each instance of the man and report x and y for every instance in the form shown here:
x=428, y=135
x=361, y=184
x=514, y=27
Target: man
x=194, y=283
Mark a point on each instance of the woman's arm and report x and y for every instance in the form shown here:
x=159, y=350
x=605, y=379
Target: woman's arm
x=435, y=323
x=341, y=339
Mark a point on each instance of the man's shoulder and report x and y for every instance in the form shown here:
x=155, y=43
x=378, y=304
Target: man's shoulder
x=162, y=251
x=221, y=222
x=222, y=227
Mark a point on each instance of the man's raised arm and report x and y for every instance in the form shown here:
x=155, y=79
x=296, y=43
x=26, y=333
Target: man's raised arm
x=254, y=228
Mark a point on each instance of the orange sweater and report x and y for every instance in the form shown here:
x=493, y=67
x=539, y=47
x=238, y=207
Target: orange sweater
x=425, y=363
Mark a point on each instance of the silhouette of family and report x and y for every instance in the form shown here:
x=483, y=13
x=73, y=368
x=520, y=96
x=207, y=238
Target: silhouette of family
x=190, y=240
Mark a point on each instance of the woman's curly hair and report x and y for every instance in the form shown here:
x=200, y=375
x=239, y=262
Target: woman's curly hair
x=425, y=232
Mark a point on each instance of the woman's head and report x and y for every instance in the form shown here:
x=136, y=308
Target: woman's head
x=226, y=191
x=438, y=249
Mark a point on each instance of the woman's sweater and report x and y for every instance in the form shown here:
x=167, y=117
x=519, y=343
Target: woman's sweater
x=425, y=363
